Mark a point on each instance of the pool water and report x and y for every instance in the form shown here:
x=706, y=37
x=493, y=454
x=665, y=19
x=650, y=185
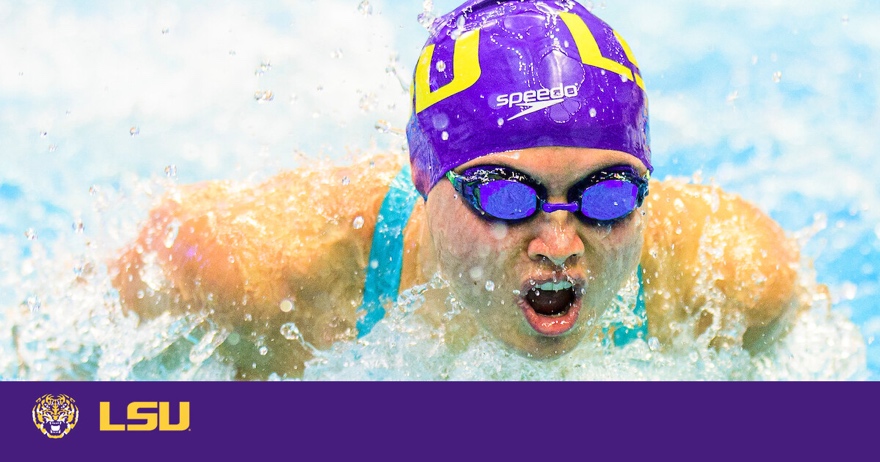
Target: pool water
x=105, y=106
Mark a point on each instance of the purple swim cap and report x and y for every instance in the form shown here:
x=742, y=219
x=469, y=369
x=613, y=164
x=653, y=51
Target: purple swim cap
x=499, y=75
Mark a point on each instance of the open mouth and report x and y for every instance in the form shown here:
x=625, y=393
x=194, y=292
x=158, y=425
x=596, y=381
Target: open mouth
x=552, y=307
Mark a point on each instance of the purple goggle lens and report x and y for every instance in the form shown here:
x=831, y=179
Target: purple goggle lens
x=507, y=199
x=504, y=194
x=609, y=200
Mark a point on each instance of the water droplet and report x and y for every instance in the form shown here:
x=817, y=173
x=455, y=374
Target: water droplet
x=490, y=286
x=82, y=267
x=134, y=131
x=264, y=67
x=679, y=205
x=444, y=136
x=30, y=234
x=499, y=230
x=53, y=147
x=654, y=343
x=345, y=181
x=264, y=350
x=78, y=226
x=368, y=102
x=365, y=8
x=291, y=332
x=593, y=112
x=500, y=122
x=733, y=96
x=33, y=303
x=171, y=233
x=441, y=66
x=777, y=76
x=263, y=96
x=383, y=126
x=426, y=18
x=336, y=54
x=849, y=291
x=171, y=171
x=374, y=264
x=44, y=134
x=286, y=305
x=231, y=259
x=165, y=31
x=207, y=345
x=358, y=222
x=476, y=273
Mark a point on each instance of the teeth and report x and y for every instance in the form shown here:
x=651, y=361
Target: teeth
x=562, y=285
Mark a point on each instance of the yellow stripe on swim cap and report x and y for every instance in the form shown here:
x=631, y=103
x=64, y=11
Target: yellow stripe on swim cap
x=589, y=50
x=466, y=68
x=631, y=58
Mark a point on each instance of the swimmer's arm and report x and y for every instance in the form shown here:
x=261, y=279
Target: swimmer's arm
x=239, y=254
x=721, y=264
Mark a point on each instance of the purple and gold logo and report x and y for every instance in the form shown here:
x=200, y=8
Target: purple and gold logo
x=55, y=416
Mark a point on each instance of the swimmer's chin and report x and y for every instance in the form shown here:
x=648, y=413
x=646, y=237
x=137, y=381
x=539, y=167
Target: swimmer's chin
x=546, y=348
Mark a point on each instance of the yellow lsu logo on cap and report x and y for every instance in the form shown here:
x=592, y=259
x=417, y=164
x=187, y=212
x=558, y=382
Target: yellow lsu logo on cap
x=146, y=416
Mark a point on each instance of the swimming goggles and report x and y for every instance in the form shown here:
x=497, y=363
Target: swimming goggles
x=502, y=193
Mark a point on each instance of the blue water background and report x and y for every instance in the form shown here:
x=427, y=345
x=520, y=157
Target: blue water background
x=774, y=100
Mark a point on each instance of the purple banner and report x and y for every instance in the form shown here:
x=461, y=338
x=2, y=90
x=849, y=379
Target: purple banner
x=415, y=421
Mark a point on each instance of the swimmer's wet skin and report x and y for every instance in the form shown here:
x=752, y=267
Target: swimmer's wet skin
x=547, y=213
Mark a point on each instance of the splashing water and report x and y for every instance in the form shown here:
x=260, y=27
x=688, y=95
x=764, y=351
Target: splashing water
x=71, y=326
x=822, y=345
x=60, y=316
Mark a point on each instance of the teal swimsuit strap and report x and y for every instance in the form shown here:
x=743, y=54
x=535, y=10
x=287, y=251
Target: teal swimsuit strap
x=386, y=252
x=624, y=335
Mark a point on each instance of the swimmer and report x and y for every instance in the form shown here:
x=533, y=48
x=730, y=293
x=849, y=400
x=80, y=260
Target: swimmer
x=528, y=190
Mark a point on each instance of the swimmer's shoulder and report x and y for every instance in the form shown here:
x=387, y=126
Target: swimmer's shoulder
x=237, y=243
x=701, y=240
x=258, y=256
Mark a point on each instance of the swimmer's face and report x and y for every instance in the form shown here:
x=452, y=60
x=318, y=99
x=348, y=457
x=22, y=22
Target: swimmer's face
x=536, y=285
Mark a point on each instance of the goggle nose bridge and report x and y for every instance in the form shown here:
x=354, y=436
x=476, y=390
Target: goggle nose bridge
x=554, y=207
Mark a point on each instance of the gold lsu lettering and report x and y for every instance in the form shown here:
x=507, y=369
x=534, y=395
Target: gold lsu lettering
x=146, y=416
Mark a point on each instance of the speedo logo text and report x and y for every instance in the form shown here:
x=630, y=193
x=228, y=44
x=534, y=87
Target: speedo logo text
x=535, y=100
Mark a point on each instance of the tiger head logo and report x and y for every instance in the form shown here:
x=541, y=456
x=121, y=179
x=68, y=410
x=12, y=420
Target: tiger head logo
x=55, y=416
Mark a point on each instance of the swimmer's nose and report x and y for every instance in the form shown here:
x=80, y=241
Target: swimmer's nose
x=557, y=240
